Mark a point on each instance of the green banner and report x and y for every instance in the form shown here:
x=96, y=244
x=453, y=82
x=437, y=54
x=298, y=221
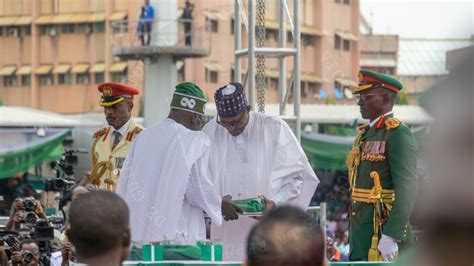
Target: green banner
x=21, y=158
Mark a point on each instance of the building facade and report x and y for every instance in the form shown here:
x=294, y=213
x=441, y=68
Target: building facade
x=53, y=53
x=379, y=53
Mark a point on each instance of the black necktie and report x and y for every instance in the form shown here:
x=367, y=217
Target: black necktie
x=118, y=136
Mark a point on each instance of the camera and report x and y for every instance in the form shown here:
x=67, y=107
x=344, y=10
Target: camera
x=27, y=256
x=10, y=240
x=30, y=204
x=42, y=231
x=58, y=185
x=29, y=218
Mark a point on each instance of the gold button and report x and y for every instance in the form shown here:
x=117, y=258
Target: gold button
x=353, y=213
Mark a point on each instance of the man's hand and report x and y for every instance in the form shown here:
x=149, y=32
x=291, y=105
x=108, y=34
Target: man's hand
x=39, y=210
x=269, y=204
x=18, y=205
x=16, y=257
x=68, y=254
x=388, y=247
x=230, y=211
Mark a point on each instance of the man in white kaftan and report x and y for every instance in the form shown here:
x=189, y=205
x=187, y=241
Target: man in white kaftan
x=164, y=179
x=253, y=154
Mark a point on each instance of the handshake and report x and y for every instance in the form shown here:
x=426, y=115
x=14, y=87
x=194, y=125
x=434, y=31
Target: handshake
x=231, y=211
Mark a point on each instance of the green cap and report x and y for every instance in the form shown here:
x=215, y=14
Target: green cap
x=372, y=80
x=188, y=97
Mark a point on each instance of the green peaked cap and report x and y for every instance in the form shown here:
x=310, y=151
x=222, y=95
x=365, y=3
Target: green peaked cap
x=371, y=80
x=188, y=96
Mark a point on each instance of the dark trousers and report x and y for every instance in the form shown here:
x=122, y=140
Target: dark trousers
x=146, y=32
x=187, y=33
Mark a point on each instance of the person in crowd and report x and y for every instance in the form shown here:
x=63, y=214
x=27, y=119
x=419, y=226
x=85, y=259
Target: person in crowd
x=188, y=22
x=164, y=179
x=252, y=155
x=287, y=235
x=29, y=254
x=147, y=16
x=99, y=229
x=112, y=143
x=19, y=212
x=383, y=159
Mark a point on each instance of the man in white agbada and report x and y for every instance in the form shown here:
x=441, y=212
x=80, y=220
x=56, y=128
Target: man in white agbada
x=253, y=154
x=164, y=180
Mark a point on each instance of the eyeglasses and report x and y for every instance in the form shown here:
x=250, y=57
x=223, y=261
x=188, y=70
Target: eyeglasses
x=365, y=96
x=235, y=123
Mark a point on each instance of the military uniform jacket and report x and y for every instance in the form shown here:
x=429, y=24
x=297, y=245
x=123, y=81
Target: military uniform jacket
x=106, y=163
x=391, y=151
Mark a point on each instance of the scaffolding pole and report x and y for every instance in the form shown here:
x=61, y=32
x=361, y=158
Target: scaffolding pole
x=251, y=55
x=237, y=42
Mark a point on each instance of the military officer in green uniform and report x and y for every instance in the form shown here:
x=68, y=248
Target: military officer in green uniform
x=382, y=174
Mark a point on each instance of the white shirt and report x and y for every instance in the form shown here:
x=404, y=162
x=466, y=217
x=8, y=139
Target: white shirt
x=266, y=159
x=123, y=131
x=163, y=181
x=378, y=118
x=57, y=259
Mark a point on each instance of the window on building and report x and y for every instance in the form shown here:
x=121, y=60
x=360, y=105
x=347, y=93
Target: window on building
x=99, y=27
x=99, y=77
x=48, y=30
x=346, y=45
x=232, y=73
x=347, y=2
x=121, y=27
x=64, y=79
x=289, y=37
x=120, y=77
x=337, y=42
x=85, y=28
x=9, y=81
x=212, y=24
x=274, y=83
x=25, y=80
x=313, y=90
x=83, y=78
x=307, y=40
x=46, y=80
x=211, y=76
x=232, y=25
x=67, y=28
x=338, y=1
x=304, y=93
x=2, y=29
x=25, y=30
x=181, y=73
x=12, y=32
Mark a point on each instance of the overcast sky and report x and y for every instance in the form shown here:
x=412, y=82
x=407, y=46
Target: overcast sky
x=420, y=18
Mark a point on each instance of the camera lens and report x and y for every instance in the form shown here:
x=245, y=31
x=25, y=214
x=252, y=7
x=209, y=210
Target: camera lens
x=10, y=240
x=31, y=218
x=30, y=205
x=27, y=257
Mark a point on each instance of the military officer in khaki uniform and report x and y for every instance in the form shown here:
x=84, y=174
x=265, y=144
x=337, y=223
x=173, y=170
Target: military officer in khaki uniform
x=382, y=174
x=111, y=143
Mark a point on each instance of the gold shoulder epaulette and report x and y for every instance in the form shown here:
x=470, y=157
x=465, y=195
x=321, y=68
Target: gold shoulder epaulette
x=392, y=123
x=101, y=132
x=135, y=131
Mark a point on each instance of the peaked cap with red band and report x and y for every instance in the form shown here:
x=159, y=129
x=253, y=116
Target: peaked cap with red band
x=373, y=80
x=113, y=93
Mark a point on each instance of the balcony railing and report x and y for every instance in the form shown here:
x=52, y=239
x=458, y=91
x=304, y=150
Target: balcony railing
x=177, y=33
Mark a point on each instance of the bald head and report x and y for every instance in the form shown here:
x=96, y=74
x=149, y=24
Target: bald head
x=99, y=223
x=286, y=236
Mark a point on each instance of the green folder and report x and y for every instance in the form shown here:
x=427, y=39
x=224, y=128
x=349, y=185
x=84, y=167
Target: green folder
x=250, y=206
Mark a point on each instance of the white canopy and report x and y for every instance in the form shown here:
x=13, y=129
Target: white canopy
x=15, y=116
